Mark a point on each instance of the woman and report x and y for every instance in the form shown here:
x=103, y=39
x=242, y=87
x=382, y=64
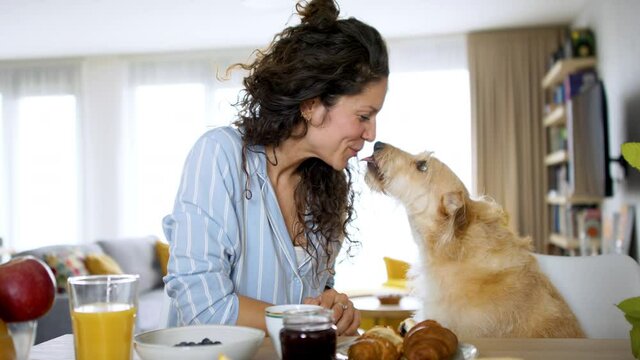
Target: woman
x=263, y=208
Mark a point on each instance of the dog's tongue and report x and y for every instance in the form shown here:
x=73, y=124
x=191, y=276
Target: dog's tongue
x=368, y=159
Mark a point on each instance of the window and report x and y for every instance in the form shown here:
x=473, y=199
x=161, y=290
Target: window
x=168, y=120
x=224, y=113
x=423, y=111
x=45, y=186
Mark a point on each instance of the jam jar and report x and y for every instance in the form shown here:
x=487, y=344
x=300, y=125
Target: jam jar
x=308, y=334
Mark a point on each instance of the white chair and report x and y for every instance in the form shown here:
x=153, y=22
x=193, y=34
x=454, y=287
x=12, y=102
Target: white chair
x=592, y=286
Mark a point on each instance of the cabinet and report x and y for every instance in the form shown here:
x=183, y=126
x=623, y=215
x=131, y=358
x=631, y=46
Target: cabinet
x=575, y=155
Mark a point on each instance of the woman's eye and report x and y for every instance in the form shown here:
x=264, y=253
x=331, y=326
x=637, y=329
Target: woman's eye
x=421, y=165
x=365, y=117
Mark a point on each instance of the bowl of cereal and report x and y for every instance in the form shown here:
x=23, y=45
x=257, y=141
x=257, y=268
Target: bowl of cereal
x=199, y=342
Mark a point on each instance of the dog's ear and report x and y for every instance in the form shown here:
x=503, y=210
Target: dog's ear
x=453, y=205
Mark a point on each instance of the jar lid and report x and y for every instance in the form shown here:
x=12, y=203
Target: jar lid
x=316, y=319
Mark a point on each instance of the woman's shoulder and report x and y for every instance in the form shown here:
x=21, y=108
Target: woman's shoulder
x=224, y=142
x=226, y=136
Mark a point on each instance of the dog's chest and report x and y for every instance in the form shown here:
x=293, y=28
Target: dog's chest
x=429, y=289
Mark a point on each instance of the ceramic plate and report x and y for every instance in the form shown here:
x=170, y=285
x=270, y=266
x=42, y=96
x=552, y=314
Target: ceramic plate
x=465, y=351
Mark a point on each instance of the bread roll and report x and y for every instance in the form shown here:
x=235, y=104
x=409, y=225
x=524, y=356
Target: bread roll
x=428, y=340
x=377, y=343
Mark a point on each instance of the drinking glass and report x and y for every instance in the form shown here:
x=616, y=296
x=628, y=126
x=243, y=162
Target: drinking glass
x=103, y=311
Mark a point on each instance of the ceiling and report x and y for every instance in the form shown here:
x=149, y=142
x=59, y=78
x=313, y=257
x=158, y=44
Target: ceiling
x=59, y=28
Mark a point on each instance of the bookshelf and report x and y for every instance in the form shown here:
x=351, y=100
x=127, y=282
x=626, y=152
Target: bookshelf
x=562, y=68
x=573, y=167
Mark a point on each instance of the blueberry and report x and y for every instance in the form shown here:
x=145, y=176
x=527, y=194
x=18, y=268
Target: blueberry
x=205, y=341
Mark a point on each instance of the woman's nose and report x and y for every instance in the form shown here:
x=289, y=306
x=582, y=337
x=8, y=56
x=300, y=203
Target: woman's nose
x=369, y=133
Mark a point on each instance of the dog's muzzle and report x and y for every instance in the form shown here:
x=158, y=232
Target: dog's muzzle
x=372, y=164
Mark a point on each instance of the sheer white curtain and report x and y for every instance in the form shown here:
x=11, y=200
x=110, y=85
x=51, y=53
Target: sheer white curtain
x=105, y=164
x=172, y=102
x=41, y=154
x=427, y=108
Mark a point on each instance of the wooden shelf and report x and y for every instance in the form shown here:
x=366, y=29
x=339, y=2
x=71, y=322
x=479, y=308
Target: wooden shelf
x=557, y=117
x=563, y=68
x=556, y=158
x=573, y=200
x=568, y=243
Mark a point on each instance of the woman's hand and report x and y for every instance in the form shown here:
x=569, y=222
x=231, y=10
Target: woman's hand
x=346, y=317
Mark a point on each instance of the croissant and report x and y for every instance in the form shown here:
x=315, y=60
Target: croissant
x=377, y=343
x=428, y=340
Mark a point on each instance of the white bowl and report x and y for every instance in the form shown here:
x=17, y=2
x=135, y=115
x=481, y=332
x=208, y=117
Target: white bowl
x=238, y=342
x=273, y=318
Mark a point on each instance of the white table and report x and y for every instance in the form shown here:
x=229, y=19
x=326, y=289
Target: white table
x=370, y=307
x=61, y=348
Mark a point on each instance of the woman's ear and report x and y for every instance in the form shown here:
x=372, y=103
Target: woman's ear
x=307, y=108
x=313, y=111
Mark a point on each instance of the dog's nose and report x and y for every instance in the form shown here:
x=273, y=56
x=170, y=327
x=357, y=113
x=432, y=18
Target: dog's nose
x=378, y=146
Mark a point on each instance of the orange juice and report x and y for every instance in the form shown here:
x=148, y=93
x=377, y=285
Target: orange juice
x=103, y=331
x=6, y=343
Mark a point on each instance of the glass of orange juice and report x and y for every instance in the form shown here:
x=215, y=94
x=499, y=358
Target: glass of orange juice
x=103, y=311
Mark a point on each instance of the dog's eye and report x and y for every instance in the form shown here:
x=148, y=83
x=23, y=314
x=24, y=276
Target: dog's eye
x=421, y=165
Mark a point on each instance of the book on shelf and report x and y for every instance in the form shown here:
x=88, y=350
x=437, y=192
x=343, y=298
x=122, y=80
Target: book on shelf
x=578, y=82
x=624, y=231
x=558, y=184
x=609, y=232
x=561, y=180
x=557, y=138
x=574, y=221
x=589, y=225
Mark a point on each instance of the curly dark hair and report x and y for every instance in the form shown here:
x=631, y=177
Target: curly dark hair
x=323, y=57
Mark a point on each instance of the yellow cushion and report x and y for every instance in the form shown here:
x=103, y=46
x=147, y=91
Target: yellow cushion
x=162, y=251
x=101, y=264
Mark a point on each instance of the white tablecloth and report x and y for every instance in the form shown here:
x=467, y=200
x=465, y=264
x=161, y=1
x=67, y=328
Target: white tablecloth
x=60, y=348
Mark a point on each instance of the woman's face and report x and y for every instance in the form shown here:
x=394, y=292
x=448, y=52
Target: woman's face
x=336, y=134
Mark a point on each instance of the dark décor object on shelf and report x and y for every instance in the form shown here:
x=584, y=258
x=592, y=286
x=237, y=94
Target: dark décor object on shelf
x=590, y=174
x=582, y=42
x=577, y=43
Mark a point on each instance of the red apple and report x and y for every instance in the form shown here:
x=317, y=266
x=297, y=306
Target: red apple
x=27, y=289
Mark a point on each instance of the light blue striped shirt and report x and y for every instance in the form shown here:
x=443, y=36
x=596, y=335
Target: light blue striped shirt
x=223, y=245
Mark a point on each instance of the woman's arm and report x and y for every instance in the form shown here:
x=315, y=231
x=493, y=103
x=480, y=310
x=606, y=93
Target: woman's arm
x=251, y=312
x=204, y=236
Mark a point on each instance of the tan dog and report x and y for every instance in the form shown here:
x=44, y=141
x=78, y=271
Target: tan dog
x=476, y=277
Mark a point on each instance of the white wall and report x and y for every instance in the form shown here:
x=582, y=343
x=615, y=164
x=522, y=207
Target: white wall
x=616, y=27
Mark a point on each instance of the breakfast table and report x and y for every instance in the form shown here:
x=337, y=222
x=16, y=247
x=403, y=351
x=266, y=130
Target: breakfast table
x=61, y=348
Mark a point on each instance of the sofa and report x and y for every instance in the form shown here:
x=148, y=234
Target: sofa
x=140, y=256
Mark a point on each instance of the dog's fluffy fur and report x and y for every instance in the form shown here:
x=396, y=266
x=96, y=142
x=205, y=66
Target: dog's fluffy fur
x=475, y=275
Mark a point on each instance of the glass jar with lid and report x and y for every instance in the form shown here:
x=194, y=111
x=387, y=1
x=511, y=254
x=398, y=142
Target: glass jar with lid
x=308, y=334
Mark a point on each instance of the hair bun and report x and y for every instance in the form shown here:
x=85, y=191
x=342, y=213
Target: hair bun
x=318, y=13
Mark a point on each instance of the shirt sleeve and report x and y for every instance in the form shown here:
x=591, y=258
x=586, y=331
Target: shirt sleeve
x=203, y=232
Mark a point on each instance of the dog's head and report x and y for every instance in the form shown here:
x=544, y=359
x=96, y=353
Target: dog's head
x=434, y=197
